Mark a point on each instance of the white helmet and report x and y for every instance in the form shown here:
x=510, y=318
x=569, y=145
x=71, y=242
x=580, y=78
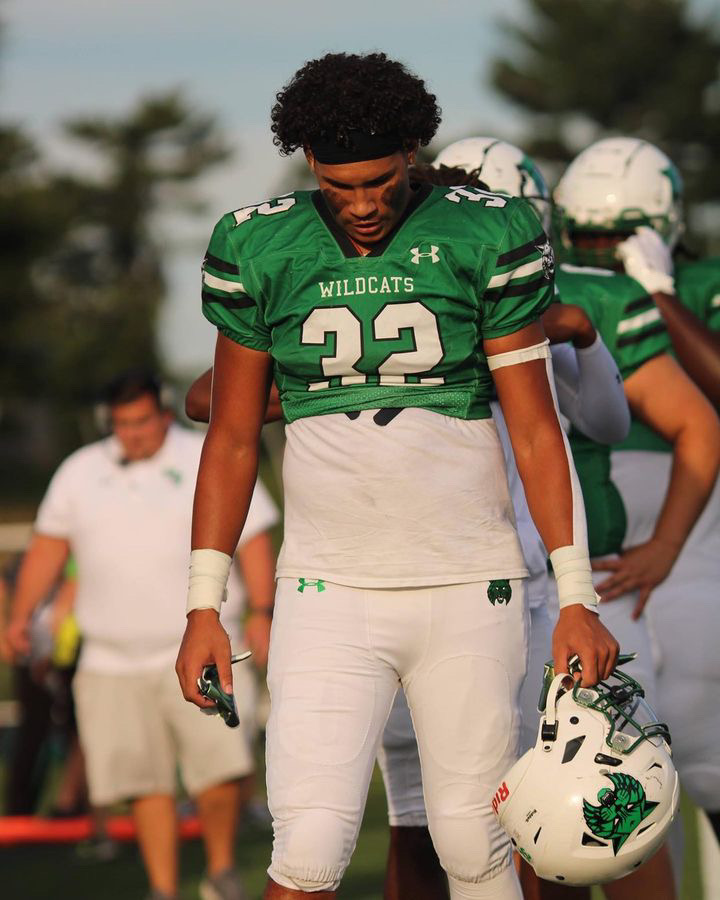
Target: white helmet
x=616, y=185
x=503, y=167
x=596, y=795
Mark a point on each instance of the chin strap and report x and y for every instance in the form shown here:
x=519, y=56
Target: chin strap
x=549, y=728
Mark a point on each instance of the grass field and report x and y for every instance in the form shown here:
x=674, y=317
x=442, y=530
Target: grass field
x=56, y=873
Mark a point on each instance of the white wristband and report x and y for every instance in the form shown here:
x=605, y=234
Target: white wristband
x=573, y=575
x=209, y=571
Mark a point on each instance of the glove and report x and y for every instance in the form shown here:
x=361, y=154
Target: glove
x=647, y=259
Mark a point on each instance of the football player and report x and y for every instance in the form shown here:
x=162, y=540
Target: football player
x=609, y=191
x=383, y=312
x=590, y=395
x=686, y=298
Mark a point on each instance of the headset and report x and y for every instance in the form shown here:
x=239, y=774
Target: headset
x=166, y=395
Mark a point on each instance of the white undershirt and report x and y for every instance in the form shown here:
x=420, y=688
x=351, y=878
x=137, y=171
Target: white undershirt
x=421, y=500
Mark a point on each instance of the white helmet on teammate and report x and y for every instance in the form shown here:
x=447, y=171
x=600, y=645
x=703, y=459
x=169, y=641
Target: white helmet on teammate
x=596, y=795
x=503, y=167
x=616, y=185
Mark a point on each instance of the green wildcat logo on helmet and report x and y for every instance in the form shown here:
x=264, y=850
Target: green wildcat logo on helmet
x=499, y=591
x=620, y=810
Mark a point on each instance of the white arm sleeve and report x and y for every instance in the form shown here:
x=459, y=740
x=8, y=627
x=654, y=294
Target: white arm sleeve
x=590, y=391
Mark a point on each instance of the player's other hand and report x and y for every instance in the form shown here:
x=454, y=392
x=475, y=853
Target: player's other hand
x=566, y=322
x=17, y=639
x=205, y=641
x=647, y=258
x=257, y=636
x=580, y=632
x=641, y=568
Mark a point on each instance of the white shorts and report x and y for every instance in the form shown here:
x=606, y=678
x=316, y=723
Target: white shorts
x=135, y=730
x=337, y=657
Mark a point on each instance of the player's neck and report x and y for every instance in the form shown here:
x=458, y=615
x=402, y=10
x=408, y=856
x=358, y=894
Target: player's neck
x=361, y=249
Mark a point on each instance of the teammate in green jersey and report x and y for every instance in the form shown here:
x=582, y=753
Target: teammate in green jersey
x=683, y=612
x=599, y=208
x=383, y=312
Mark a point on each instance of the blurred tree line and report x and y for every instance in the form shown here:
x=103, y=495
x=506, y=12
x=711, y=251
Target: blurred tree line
x=81, y=268
x=583, y=70
x=81, y=276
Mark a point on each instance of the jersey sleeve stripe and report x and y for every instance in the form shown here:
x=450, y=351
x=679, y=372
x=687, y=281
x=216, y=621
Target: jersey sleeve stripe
x=643, y=335
x=641, y=303
x=517, y=290
x=639, y=321
x=243, y=302
x=222, y=284
x=521, y=272
x=504, y=259
x=214, y=262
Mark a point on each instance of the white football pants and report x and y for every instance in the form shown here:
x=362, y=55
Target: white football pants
x=337, y=657
x=398, y=755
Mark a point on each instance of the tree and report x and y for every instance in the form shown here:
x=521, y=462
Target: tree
x=104, y=285
x=639, y=67
x=82, y=278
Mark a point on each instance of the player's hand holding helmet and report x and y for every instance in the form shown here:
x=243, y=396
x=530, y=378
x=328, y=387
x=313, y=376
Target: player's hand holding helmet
x=595, y=797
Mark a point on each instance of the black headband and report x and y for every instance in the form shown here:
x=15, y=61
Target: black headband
x=361, y=146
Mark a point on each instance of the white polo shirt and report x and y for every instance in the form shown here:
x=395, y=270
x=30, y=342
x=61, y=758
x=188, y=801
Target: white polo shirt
x=129, y=530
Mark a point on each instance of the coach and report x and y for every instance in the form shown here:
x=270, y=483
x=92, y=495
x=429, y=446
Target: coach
x=123, y=507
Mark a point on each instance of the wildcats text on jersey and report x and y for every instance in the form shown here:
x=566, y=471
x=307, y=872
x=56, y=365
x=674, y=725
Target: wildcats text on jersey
x=372, y=284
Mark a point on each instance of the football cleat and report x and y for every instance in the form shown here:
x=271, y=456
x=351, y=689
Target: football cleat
x=595, y=796
x=613, y=187
x=503, y=167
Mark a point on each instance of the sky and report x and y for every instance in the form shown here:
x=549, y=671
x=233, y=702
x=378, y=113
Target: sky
x=78, y=57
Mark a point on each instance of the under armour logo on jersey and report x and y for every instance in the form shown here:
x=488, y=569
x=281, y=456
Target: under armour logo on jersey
x=432, y=253
x=310, y=582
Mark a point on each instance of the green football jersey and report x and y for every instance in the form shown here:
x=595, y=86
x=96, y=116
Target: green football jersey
x=400, y=327
x=697, y=287
x=632, y=328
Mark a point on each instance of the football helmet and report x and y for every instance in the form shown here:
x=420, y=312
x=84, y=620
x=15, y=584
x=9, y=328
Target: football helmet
x=596, y=795
x=504, y=168
x=614, y=186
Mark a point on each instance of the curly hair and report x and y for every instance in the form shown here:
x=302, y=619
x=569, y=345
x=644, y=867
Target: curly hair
x=445, y=176
x=343, y=92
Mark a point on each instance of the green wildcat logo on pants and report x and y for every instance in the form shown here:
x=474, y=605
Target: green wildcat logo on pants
x=499, y=591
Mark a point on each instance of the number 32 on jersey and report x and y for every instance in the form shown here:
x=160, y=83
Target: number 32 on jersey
x=388, y=325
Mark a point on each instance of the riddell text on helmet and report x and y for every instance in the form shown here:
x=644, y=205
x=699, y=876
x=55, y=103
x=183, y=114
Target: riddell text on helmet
x=501, y=795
